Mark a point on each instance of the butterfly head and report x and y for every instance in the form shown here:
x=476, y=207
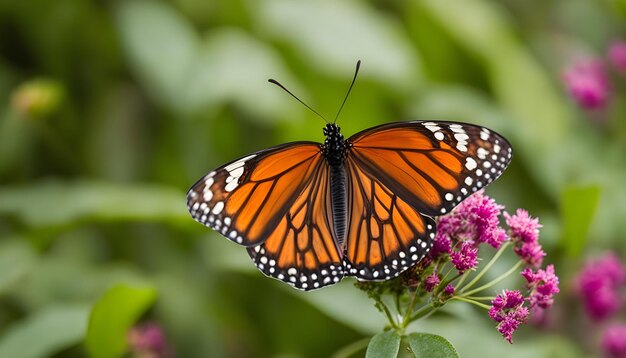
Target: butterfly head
x=334, y=146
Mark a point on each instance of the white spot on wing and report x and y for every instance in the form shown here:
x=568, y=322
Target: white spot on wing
x=470, y=164
x=218, y=207
x=231, y=186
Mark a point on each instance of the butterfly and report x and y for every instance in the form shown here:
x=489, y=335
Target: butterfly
x=311, y=213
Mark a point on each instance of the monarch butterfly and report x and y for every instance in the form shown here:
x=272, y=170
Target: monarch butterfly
x=310, y=213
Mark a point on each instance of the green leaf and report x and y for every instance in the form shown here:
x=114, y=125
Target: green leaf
x=382, y=345
x=45, y=332
x=357, y=32
x=40, y=204
x=161, y=45
x=578, y=205
x=222, y=75
x=16, y=259
x=431, y=345
x=113, y=315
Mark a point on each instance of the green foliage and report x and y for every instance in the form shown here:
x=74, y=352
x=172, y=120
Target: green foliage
x=45, y=332
x=384, y=345
x=431, y=345
x=578, y=206
x=39, y=204
x=113, y=315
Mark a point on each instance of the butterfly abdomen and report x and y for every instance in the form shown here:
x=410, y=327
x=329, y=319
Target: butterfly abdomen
x=338, y=195
x=335, y=154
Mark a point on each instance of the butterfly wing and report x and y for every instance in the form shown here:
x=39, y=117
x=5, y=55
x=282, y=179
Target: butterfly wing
x=385, y=234
x=302, y=251
x=433, y=166
x=402, y=173
x=246, y=199
x=277, y=203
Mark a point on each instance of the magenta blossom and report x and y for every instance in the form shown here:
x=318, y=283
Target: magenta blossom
x=508, y=311
x=477, y=219
x=617, y=55
x=441, y=245
x=599, y=283
x=449, y=290
x=431, y=282
x=614, y=341
x=543, y=285
x=466, y=258
x=148, y=340
x=524, y=231
x=587, y=82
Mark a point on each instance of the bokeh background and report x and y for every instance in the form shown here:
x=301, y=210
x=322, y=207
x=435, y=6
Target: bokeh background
x=110, y=110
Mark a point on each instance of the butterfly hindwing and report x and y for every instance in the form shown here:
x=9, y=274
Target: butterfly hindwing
x=386, y=236
x=245, y=200
x=432, y=166
x=302, y=250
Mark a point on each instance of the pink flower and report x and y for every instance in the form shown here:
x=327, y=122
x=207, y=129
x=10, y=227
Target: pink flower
x=449, y=290
x=148, y=340
x=477, y=219
x=523, y=226
x=441, y=245
x=466, y=257
x=431, y=282
x=617, y=55
x=508, y=311
x=524, y=231
x=599, y=283
x=543, y=285
x=588, y=83
x=614, y=341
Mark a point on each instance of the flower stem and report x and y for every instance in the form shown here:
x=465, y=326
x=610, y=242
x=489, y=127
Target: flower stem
x=409, y=310
x=388, y=314
x=487, y=285
x=463, y=277
x=484, y=270
x=445, y=283
x=469, y=300
x=423, y=311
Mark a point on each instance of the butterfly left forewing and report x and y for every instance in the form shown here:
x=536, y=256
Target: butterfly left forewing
x=244, y=200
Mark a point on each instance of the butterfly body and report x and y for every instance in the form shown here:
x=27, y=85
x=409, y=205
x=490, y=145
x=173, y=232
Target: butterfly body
x=313, y=213
x=334, y=150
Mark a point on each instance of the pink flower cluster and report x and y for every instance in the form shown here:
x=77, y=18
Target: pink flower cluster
x=477, y=220
x=508, y=310
x=587, y=80
x=599, y=284
x=524, y=231
x=474, y=221
x=148, y=340
x=614, y=341
x=542, y=285
x=588, y=83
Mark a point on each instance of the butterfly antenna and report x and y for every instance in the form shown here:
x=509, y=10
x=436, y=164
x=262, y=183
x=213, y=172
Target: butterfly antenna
x=273, y=81
x=356, y=72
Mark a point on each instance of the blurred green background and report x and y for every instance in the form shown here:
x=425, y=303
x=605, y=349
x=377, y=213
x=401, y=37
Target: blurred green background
x=110, y=110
